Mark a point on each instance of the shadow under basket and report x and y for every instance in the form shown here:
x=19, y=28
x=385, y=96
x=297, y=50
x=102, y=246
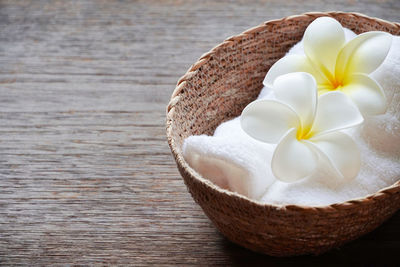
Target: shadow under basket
x=217, y=88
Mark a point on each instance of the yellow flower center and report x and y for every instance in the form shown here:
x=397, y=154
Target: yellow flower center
x=336, y=84
x=333, y=83
x=304, y=132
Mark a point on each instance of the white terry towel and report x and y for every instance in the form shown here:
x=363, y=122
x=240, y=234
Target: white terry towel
x=236, y=162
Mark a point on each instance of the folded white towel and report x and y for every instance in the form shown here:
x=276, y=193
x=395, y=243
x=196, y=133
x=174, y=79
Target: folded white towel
x=236, y=162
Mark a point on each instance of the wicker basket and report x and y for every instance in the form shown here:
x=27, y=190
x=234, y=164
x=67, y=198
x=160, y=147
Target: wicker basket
x=216, y=88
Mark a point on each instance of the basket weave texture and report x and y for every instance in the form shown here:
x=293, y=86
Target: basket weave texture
x=216, y=88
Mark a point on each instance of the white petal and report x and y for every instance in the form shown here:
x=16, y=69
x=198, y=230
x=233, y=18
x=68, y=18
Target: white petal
x=335, y=112
x=323, y=39
x=363, y=54
x=299, y=91
x=291, y=63
x=292, y=159
x=340, y=151
x=268, y=120
x=366, y=93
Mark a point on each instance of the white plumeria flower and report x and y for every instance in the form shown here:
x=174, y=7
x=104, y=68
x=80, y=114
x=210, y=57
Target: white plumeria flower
x=305, y=127
x=337, y=65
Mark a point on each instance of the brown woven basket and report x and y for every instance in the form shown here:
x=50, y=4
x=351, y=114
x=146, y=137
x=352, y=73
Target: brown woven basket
x=216, y=88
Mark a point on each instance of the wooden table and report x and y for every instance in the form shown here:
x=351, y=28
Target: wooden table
x=86, y=175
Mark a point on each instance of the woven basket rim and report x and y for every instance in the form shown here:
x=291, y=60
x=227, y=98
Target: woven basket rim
x=176, y=151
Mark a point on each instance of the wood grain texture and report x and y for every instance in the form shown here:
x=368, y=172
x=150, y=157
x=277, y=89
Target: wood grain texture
x=86, y=175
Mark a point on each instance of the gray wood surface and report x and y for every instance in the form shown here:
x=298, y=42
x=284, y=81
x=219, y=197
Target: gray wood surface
x=86, y=175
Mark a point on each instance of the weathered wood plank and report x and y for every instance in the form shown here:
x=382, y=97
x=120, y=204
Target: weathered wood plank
x=86, y=176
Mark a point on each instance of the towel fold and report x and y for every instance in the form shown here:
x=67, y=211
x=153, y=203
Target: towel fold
x=236, y=162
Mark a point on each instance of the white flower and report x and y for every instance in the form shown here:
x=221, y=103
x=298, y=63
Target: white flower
x=305, y=127
x=340, y=66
